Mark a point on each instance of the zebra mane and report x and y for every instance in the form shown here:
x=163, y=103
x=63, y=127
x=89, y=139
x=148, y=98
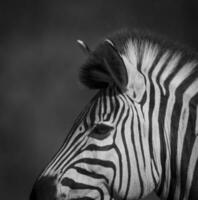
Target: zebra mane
x=122, y=37
x=105, y=66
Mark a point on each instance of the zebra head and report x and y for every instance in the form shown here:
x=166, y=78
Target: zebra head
x=102, y=156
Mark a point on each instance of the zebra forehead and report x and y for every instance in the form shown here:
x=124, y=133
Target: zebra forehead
x=109, y=93
x=106, y=101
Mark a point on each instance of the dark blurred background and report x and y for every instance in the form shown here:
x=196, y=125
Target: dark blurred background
x=40, y=92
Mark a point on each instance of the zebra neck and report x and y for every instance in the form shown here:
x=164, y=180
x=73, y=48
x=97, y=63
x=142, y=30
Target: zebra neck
x=163, y=83
x=147, y=147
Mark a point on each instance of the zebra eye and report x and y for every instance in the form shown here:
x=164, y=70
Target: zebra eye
x=101, y=131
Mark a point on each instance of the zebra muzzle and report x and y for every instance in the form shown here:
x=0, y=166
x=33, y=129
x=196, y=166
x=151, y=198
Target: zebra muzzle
x=44, y=189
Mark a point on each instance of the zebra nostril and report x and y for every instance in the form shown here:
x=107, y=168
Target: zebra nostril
x=44, y=189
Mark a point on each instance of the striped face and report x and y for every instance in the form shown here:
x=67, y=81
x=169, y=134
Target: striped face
x=94, y=161
x=126, y=144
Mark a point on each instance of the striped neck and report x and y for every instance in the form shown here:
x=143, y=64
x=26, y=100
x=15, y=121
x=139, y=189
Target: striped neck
x=163, y=82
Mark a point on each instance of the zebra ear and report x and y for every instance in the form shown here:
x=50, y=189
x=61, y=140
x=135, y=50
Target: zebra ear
x=103, y=68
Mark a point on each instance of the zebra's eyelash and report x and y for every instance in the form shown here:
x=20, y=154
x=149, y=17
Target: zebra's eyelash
x=103, y=123
x=101, y=131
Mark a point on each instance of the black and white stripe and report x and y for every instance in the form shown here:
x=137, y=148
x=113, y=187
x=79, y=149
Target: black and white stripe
x=139, y=133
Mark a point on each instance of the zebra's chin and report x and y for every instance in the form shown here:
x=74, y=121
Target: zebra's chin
x=68, y=194
x=68, y=189
x=83, y=195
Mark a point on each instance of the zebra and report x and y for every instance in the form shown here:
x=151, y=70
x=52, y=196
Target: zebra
x=138, y=134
